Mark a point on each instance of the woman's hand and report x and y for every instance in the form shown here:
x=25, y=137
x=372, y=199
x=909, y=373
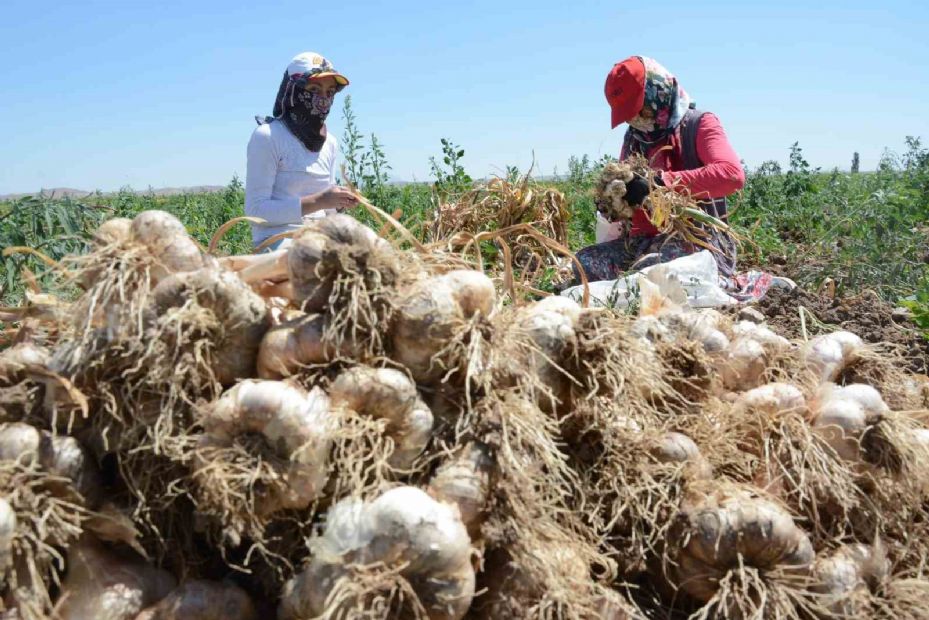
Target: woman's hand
x=336, y=198
x=638, y=189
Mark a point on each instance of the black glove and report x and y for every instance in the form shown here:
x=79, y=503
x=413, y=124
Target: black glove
x=638, y=188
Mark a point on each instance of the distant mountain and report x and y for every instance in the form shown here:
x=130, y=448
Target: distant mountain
x=62, y=192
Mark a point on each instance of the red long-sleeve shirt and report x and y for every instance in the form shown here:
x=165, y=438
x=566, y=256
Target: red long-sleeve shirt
x=720, y=175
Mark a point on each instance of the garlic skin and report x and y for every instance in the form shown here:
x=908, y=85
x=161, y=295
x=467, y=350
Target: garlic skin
x=403, y=527
x=296, y=423
x=828, y=355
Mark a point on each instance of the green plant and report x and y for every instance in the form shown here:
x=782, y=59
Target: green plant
x=351, y=145
x=54, y=227
x=451, y=177
x=578, y=169
x=374, y=169
x=918, y=305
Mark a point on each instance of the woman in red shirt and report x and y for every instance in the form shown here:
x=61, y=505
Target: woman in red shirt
x=689, y=151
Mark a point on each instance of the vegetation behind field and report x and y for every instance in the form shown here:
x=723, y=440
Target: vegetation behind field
x=864, y=230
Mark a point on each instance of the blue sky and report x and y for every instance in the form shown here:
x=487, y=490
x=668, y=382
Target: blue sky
x=106, y=94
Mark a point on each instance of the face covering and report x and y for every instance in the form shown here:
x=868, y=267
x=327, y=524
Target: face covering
x=305, y=115
x=664, y=106
x=303, y=112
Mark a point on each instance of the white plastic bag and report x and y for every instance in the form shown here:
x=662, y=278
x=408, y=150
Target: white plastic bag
x=605, y=230
x=697, y=274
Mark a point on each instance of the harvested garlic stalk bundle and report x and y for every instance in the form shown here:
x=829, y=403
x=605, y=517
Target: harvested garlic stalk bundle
x=843, y=413
x=610, y=192
x=742, y=365
x=770, y=400
x=7, y=534
x=464, y=481
x=550, y=325
x=676, y=447
x=541, y=575
x=651, y=329
x=332, y=246
x=828, y=355
x=538, y=343
x=323, y=251
x=167, y=241
x=847, y=575
x=297, y=425
x=203, y=600
x=404, y=534
x=60, y=456
x=387, y=394
x=15, y=360
x=296, y=343
x=724, y=526
x=243, y=316
x=702, y=327
x=101, y=585
x=117, y=230
x=790, y=457
x=429, y=314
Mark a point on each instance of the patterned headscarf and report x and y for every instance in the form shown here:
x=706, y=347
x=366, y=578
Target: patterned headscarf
x=666, y=103
x=304, y=112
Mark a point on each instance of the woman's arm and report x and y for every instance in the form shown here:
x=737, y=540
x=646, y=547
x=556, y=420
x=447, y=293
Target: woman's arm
x=721, y=173
x=261, y=170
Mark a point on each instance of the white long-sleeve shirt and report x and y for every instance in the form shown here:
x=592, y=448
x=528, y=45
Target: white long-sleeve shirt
x=281, y=171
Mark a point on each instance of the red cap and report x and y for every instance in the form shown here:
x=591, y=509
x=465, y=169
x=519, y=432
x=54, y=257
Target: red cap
x=625, y=89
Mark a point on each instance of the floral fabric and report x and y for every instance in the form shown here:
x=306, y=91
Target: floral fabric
x=666, y=103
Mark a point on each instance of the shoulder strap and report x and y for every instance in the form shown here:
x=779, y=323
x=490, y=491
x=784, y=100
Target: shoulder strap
x=689, y=127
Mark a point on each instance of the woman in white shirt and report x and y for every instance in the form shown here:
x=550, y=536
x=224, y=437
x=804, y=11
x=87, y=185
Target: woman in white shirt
x=291, y=157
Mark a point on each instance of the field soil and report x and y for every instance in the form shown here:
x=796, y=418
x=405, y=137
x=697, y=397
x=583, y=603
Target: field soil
x=865, y=315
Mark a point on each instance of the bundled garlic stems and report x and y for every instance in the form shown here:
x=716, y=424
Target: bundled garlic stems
x=465, y=481
x=296, y=424
x=402, y=530
x=743, y=363
x=572, y=448
x=430, y=312
x=828, y=355
x=60, y=456
x=387, y=394
x=7, y=534
x=610, y=192
x=727, y=526
x=242, y=315
x=203, y=600
x=166, y=240
x=843, y=413
x=847, y=575
x=101, y=585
